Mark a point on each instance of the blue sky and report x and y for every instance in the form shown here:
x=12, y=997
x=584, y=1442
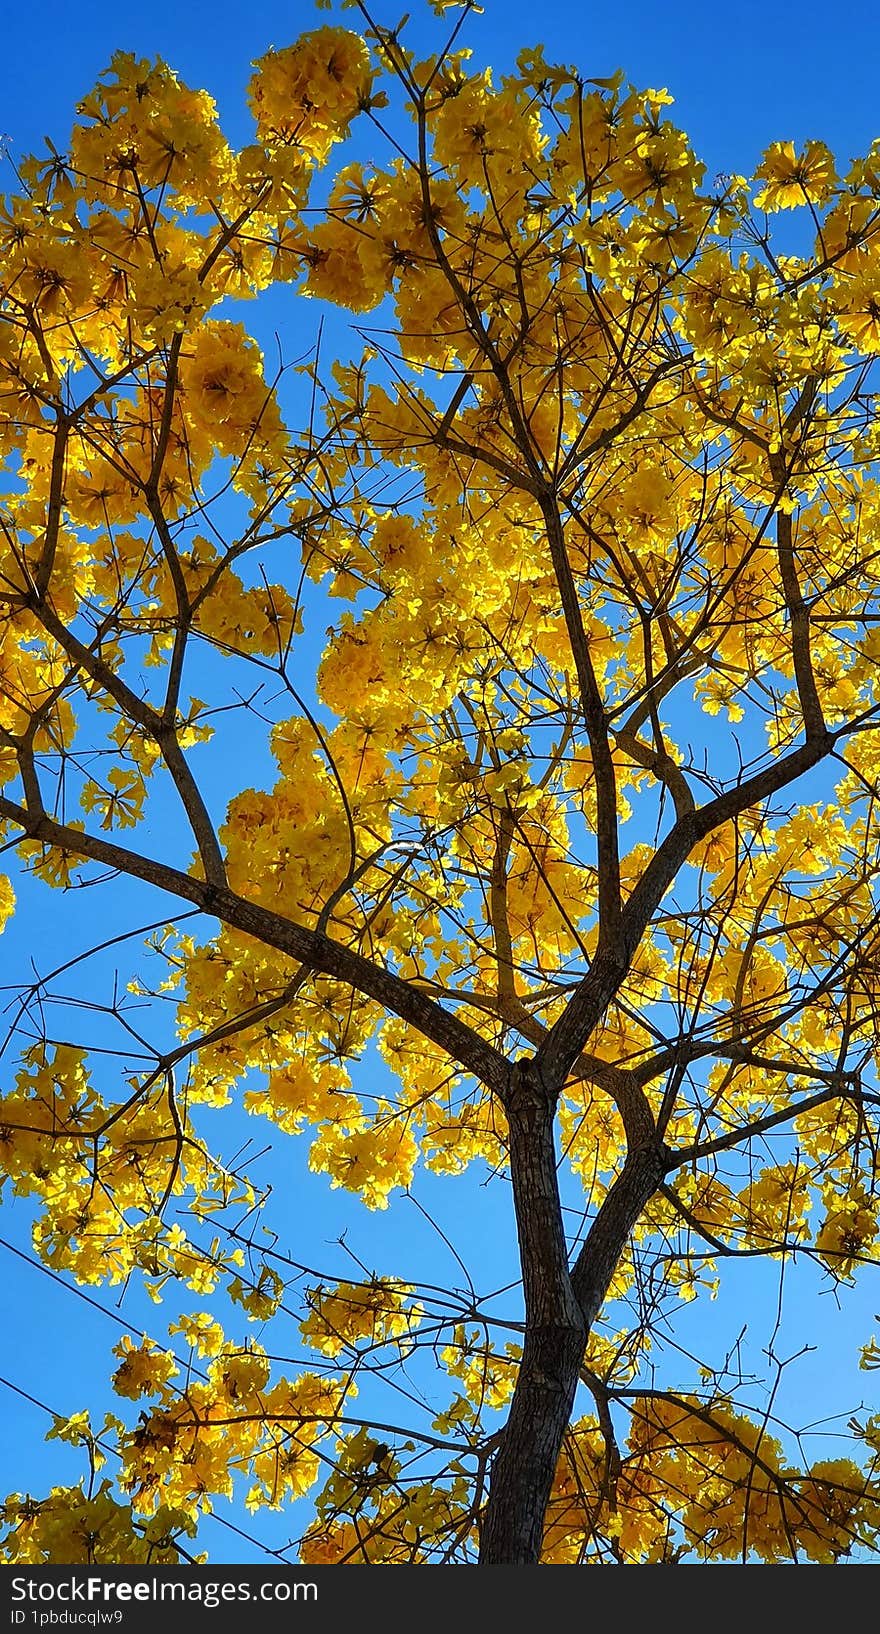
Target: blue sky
x=742, y=77
x=743, y=74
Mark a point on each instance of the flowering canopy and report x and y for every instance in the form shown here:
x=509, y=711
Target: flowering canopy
x=574, y=826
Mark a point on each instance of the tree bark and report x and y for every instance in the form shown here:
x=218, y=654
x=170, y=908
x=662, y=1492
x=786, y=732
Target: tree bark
x=561, y=1305
x=553, y=1349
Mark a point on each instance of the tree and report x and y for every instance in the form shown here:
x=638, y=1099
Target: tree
x=568, y=862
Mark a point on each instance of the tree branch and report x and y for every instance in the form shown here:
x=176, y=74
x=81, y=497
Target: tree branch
x=319, y=953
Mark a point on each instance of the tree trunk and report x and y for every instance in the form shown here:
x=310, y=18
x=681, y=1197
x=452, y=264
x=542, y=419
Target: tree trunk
x=553, y=1349
x=560, y=1309
x=525, y=1463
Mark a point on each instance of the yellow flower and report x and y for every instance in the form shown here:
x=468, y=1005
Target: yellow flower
x=307, y=94
x=144, y=1370
x=858, y=313
x=792, y=178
